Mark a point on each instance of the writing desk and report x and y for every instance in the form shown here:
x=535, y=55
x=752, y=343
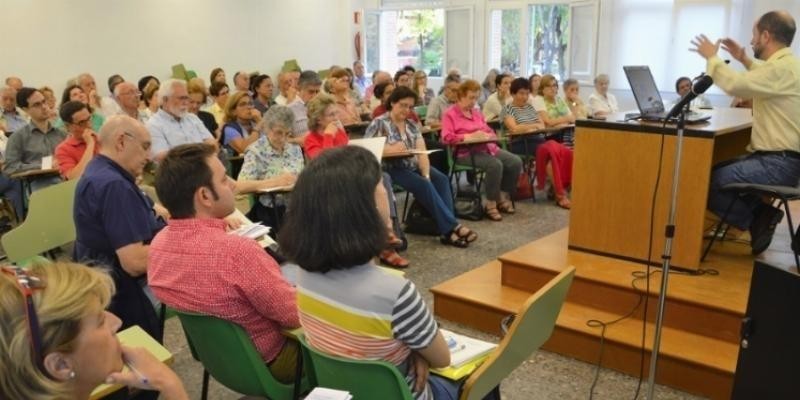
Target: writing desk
x=615, y=171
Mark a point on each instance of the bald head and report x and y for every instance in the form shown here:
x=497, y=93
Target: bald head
x=125, y=141
x=14, y=82
x=116, y=126
x=780, y=25
x=381, y=77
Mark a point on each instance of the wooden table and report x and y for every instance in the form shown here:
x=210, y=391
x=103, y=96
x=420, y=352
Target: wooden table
x=614, y=174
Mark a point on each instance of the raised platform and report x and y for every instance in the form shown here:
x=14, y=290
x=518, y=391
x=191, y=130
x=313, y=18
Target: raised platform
x=699, y=345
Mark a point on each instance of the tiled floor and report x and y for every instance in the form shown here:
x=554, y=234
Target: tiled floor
x=544, y=376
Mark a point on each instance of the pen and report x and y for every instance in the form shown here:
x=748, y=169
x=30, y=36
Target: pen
x=141, y=376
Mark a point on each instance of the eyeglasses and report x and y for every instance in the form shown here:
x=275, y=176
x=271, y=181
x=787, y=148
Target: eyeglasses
x=27, y=284
x=145, y=145
x=246, y=104
x=83, y=122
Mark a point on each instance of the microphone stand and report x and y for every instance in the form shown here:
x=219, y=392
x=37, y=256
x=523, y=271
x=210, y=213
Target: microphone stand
x=669, y=234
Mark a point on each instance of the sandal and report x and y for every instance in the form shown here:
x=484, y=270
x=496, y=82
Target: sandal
x=465, y=233
x=393, y=240
x=453, y=239
x=392, y=259
x=563, y=202
x=493, y=214
x=506, y=206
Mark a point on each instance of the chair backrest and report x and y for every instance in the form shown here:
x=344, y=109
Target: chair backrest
x=49, y=223
x=363, y=379
x=530, y=329
x=228, y=354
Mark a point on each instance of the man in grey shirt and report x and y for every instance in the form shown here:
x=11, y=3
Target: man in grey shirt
x=29, y=144
x=309, y=85
x=442, y=102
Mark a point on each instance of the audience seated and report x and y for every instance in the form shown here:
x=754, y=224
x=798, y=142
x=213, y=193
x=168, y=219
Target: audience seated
x=272, y=161
x=75, y=349
x=552, y=109
x=497, y=100
x=340, y=90
x=378, y=77
x=287, y=87
x=602, y=103
x=115, y=221
x=535, y=81
x=574, y=101
x=682, y=87
x=217, y=75
x=383, y=91
x=10, y=189
x=197, y=98
x=89, y=87
x=150, y=102
x=74, y=153
x=553, y=159
x=108, y=105
x=241, y=81
x=442, y=102
x=12, y=118
x=309, y=86
x=14, y=82
x=261, y=86
x=127, y=97
x=76, y=93
x=347, y=306
x=242, y=123
x=50, y=98
x=219, y=92
x=401, y=79
x=420, y=87
x=27, y=146
x=173, y=125
x=463, y=121
x=360, y=81
x=488, y=86
x=430, y=186
x=196, y=266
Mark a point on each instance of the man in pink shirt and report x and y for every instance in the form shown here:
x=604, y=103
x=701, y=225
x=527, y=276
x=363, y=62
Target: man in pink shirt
x=74, y=153
x=196, y=266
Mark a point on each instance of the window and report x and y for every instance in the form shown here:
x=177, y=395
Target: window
x=398, y=38
x=548, y=37
x=505, y=46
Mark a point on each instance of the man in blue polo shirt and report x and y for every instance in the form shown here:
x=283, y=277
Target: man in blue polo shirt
x=173, y=124
x=115, y=221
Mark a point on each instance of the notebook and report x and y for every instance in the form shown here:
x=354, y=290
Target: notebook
x=466, y=354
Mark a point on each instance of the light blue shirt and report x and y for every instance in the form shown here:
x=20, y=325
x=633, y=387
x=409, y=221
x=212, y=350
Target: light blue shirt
x=167, y=131
x=14, y=120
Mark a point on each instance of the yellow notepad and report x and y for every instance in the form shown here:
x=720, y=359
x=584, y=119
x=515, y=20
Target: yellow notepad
x=456, y=373
x=134, y=337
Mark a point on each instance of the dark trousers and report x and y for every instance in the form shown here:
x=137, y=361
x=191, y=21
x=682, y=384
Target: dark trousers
x=434, y=194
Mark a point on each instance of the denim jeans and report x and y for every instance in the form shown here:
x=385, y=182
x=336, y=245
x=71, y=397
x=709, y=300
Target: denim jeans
x=446, y=389
x=434, y=194
x=11, y=190
x=761, y=168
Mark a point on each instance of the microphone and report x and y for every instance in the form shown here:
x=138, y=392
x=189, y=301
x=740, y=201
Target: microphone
x=699, y=87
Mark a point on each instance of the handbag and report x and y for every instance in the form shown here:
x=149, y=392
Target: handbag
x=524, y=185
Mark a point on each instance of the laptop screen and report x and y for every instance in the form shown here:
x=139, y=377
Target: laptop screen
x=644, y=89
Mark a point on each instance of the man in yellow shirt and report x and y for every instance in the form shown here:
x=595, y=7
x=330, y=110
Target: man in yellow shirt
x=773, y=82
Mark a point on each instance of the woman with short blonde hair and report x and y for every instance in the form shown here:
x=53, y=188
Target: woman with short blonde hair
x=241, y=123
x=58, y=342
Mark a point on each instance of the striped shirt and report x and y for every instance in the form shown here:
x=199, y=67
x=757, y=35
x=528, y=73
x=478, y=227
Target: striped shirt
x=365, y=313
x=522, y=115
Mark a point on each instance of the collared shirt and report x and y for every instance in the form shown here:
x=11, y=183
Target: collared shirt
x=28, y=145
x=217, y=112
x=195, y=266
x=383, y=126
x=600, y=103
x=300, y=111
x=13, y=120
x=111, y=212
x=456, y=124
x=168, y=131
x=437, y=108
x=69, y=153
x=774, y=86
x=494, y=106
x=141, y=116
x=364, y=313
x=262, y=161
x=362, y=84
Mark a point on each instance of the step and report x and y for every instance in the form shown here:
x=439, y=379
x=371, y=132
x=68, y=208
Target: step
x=694, y=303
x=477, y=299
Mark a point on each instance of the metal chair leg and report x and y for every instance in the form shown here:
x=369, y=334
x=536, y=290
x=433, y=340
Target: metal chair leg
x=204, y=390
x=785, y=204
x=718, y=230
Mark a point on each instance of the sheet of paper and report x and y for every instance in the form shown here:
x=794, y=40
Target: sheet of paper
x=374, y=145
x=47, y=162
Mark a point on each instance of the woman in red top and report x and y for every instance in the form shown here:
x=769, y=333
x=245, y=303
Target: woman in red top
x=325, y=132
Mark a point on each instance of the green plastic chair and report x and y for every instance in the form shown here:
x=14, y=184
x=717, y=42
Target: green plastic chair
x=363, y=379
x=532, y=327
x=228, y=354
x=49, y=223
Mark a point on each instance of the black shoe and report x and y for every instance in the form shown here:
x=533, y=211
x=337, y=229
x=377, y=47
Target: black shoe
x=763, y=228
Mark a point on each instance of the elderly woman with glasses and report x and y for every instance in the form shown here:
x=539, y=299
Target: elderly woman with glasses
x=339, y=81
x=242, y=123
x=272, y=161
x=552, y=109
x=57, y=341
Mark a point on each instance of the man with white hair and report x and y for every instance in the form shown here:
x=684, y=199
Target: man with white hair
x=127, y=97
x=115, y=221
x=89, y=87
x=11, y=117
x=173, y=124
x=287, y=85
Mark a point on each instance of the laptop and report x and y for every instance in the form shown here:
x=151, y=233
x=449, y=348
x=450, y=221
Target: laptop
x=648, y=99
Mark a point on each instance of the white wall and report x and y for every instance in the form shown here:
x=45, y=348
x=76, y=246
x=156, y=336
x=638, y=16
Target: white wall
x=50, y=41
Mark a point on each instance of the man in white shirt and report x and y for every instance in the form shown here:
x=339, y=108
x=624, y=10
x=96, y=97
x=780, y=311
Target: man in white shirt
x=773, y=82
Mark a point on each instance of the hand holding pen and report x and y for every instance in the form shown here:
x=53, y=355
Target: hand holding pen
x=144, y=371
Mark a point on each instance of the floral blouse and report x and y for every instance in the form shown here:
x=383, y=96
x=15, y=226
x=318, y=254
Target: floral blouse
x=262, y=161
